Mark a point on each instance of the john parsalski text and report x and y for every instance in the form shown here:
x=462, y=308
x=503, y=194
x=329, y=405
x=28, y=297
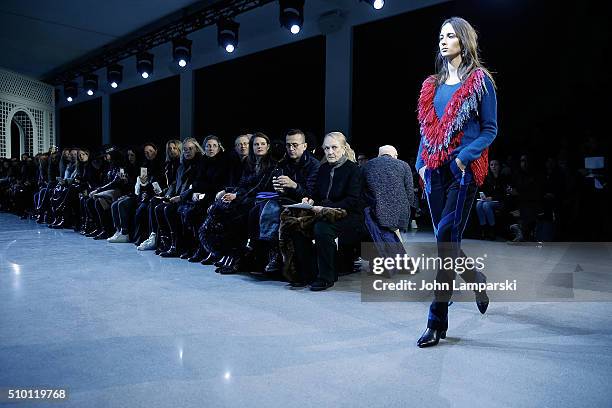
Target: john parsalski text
x=408, y=285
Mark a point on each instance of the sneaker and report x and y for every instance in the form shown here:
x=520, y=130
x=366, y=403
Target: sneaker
x=149, y=243
x=413, y=224
x=119, y=239
x=117, y=233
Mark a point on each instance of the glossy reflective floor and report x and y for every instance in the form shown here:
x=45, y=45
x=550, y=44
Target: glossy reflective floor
x=122, y=328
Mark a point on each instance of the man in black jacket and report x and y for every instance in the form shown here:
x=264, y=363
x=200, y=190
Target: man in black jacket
x=295, y=179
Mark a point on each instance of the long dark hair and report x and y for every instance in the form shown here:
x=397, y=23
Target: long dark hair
x=265, y=161
x=470, y=59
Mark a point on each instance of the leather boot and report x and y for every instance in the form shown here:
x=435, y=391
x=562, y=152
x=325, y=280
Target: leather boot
x=275, y=259
x=198, y=256
x=431, y=337
x=210, y=259
x=172, y=251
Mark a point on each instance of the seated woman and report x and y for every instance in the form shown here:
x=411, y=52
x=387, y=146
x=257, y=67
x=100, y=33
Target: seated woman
x=338, y=186
x=213, y=176
x=117, y=185
x=223, y=234
x=167, y=212
x=125, y=208
x=44, y=202
x=157, y=239
x=70, y=208
x=93, y=177
x=58, y=195
x=150, y=182
x=492, y=198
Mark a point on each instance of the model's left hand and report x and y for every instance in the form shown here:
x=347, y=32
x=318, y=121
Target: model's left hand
x=460, y=164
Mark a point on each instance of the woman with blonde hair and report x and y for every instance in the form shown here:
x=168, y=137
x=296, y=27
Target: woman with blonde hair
x=338, y=186
x=457, y=112
x=158, y=237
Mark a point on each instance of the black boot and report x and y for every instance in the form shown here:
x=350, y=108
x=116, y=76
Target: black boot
x=275, y=260
x=198, y=256
x=162, y=244
x=172, y=252
x=187, y=254
x=102, y=235
x=431, y=337
x=210, y=259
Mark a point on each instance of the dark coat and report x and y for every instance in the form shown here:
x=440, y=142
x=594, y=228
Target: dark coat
x=345, y=189
x=304, y=173
x=213, y=176
x=186, y=176
x=388, y=191
x=169, y=182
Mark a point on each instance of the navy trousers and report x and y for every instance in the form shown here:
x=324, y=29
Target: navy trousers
x=450, y=194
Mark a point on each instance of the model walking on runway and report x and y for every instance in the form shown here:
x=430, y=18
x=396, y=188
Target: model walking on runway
x=457, y=113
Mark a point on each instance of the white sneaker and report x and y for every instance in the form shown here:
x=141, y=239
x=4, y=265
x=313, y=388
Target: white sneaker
x=117, y=233
x=119, y=239
x=414, y=225
x=149, y=243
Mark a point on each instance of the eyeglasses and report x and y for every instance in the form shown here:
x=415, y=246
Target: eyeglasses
x=293, y=145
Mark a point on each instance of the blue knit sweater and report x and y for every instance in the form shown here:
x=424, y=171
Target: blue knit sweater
x=479, y=130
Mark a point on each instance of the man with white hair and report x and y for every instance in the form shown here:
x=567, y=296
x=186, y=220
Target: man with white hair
x=388, y=192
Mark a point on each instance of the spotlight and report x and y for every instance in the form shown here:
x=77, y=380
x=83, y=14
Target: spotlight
x=90, y=84
x=376, y=4
x=114, y=75
x=71, y=91
x=181, y=51
x=144, y=64
x=227, y=34
x=292, y=15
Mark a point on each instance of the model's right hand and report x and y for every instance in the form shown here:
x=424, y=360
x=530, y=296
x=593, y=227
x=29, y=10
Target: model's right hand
x=422, y=172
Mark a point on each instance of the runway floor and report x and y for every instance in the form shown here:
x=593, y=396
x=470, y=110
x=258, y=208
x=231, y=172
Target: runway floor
x=123, y=328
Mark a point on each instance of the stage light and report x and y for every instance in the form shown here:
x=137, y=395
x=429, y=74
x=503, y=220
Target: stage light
x=181, y=51
x=376, y=4
x=227, y=34
x=71, y=91
x=114, y=75
x=292, y=15
x=144, y=64
x=90, y=84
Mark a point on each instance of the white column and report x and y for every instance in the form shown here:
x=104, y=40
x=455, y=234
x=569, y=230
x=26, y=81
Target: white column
x=338, y=79
x=186, y=104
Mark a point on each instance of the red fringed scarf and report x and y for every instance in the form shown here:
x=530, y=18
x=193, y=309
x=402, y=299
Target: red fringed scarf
x=442, y=136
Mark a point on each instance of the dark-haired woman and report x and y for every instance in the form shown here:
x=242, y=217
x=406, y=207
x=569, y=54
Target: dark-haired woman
x=457, y=112
x=223, y=233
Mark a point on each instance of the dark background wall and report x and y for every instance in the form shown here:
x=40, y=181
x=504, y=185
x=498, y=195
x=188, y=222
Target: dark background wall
x=146, y=113
x=546, y=58
x=81, y=125
x=271, y=91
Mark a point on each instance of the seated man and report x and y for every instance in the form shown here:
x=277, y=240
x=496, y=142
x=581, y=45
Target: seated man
x=293, y=180
x=389, y=193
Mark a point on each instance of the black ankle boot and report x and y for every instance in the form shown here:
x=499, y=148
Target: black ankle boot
x=275, y=260
x=187, y=254
x=172, y=252
x=431, y=337
x=198, y=256
x=482, y=301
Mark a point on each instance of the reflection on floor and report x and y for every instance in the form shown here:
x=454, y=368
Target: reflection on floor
x=122, y=328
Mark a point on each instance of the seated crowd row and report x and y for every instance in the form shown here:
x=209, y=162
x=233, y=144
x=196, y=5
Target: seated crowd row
x=223, y=208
